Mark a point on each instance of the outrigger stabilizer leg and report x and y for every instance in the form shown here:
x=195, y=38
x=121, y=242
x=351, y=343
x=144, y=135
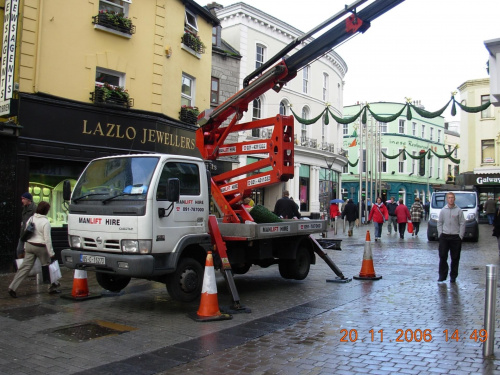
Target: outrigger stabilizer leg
x=220, y=249
x=318, y=249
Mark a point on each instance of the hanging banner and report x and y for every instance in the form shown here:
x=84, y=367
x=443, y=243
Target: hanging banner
x=9, y=49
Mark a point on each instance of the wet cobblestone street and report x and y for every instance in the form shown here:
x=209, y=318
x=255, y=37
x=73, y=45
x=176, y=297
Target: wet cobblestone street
x=393, y=325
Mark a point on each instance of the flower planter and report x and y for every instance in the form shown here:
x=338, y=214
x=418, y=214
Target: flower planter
x=193, y=41
x=189, y=115
x=122, y=25
x=115, y=99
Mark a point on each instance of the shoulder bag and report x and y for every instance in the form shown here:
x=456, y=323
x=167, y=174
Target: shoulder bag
x=28, y=231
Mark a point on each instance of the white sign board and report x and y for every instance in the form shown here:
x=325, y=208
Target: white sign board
x=9, y=49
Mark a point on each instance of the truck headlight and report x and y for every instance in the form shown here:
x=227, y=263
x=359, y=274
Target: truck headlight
x=137, y=246
x=471, y=216
x=75, y=242
x=434, y=217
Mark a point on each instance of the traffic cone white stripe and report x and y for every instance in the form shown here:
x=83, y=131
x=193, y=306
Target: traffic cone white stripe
x=209, y=285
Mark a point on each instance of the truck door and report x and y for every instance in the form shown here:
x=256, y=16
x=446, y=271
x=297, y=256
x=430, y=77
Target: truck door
x=186, y=216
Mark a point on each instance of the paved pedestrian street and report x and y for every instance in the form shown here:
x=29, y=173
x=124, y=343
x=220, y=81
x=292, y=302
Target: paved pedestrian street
x=404, y=323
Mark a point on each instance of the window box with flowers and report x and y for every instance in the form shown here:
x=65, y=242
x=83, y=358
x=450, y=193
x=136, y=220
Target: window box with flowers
x=114, y=95
x=115, y=21
x=193, y=41
x=189, y=114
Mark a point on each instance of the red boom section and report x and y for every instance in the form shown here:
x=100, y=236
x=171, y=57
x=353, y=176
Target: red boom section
x=229, y=188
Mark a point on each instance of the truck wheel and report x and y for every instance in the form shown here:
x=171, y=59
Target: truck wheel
x=113, y=283
x=185, y=283
x=297, y=268
x=241, y=268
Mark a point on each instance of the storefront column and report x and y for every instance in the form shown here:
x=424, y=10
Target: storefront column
x=314, y=181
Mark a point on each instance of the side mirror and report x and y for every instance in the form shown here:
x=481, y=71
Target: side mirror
x=66, y=190
x=173, y=190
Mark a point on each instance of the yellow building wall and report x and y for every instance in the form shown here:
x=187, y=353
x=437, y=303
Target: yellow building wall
x=60, y=50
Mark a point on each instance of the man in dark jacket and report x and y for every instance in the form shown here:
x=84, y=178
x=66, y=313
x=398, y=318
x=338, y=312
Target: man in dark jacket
x=28, y=211
x=285, y=208
x=350, y=212
x=393, y=222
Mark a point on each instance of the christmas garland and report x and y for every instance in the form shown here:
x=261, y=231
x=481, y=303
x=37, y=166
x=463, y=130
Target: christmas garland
x=423, y=154
x=408, y=106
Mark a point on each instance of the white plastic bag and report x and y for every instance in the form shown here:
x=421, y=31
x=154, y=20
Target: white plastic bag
x=55, y=272
x=37, y=267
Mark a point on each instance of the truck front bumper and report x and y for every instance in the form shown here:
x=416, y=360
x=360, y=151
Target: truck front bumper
x=471, y=230
x=139, y=266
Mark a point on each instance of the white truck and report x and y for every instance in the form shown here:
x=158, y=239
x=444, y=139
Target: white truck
x=147, y=216
x=467, y=201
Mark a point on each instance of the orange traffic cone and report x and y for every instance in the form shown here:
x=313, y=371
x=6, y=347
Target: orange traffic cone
x=209, y=305
x=367, y=271
x=80, y=289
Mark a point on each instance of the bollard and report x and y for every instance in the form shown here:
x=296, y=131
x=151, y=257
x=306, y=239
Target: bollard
x=489, y=309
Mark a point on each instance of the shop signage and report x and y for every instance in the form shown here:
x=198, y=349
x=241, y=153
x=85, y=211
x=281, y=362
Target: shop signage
x=488, y=180
x=8, y=49
x=5, y=107
x=82, y=124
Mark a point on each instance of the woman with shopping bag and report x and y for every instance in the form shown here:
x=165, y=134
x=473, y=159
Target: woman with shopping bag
x=402, y=216
x=416, y=212
x=38, y=246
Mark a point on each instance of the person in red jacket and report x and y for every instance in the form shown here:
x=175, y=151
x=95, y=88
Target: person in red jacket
x=402, y=215
x=334, y=212
x=379, y=215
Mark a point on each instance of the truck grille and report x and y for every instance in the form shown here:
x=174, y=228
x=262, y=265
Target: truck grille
x=90, y=243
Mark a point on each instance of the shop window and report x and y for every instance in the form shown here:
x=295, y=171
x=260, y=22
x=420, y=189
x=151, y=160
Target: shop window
x=488, y=151
x=304, y=174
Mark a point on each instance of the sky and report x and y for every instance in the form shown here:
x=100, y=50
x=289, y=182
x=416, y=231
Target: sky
x=421, y=49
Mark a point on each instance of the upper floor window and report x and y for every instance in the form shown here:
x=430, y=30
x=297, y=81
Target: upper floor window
x=326, y=85
x=187, y=90
x=401, y=126
x=305, y=116
x=256, y=115
x=401, y=164
x=382, y=127
x=214, y=91
x=383, y=161
x=431, y=134
x=260, y=52
x=116, y=6
x=439, y=135
x=190, y=21
x=305, y=79
x=283, y=110
x=109, y=88
x=214, y=35
x=488, y=151
x=345, y=129
x=111, y=77
x=423, y=131
x=414, y=129
x=487, y=113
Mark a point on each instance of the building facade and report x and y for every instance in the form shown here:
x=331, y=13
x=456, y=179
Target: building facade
x=480, y=141
x=318, y=147
x=387, y=175
x=94, y=79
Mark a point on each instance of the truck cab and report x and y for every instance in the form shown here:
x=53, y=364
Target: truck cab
x=467, y=201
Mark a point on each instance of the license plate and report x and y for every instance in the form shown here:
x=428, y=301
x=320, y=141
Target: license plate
x=93, y=259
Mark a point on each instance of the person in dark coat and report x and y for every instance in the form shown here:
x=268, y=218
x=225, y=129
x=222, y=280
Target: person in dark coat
x=29, y=208
x=496, y=228
x=285, y=208
x=350, y=212
x=393, y=222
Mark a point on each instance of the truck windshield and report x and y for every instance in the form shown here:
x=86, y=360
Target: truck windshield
x=121, y=178
x=462, y=200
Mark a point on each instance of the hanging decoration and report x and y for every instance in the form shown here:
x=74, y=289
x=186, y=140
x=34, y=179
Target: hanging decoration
x=421, y=155
x=410, y=108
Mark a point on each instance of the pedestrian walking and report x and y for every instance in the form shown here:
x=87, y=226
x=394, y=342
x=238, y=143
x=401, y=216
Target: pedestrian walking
x=451, y=230
x=29, y=208
x=392, y=222
x=334, y=212
x=490, y=209
x=402, y=215
x=379, y=215
x=416, y=212
x=286, y=208
x=496, y=228
x=350, y=213
x=39, y=246
x=427, y=206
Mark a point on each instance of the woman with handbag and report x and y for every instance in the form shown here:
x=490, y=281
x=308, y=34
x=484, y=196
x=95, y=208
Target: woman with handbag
x=38, y=245
x=402, y=216
x=379, y=215
x=416, y=212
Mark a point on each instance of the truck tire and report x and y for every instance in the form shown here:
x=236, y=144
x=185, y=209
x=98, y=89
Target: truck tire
x=185, y=283
x=113, y=283
x=240, y=269
x=297, y=268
